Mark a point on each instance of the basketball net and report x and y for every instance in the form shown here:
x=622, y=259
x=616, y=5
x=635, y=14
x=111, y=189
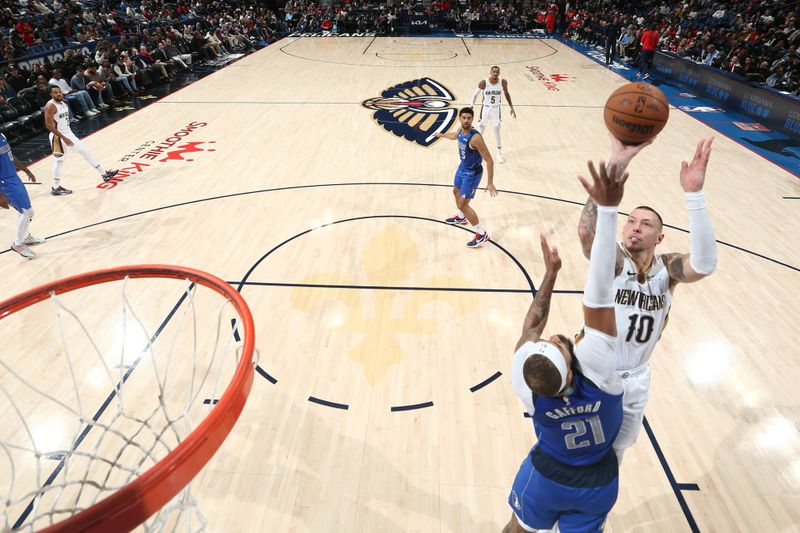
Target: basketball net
x=92, y=404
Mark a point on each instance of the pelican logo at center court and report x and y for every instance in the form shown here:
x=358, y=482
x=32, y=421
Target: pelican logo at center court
x=414, y=110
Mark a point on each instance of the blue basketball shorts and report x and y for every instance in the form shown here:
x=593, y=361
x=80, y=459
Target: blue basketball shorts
x=467, y=181
x=538, y=502
x=12, y=187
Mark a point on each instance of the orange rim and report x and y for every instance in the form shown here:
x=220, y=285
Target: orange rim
x=140, y=499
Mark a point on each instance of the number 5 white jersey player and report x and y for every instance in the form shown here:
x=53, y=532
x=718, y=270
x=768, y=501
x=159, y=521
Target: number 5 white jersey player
x=493, y=88
x=645, y=280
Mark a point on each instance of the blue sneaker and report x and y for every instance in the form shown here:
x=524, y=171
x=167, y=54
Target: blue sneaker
x=457, y=220
x=478, y=240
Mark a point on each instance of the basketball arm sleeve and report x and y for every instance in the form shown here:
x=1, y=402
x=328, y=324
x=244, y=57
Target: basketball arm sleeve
x=703, y=259
x=475, y=96
x=599, y=283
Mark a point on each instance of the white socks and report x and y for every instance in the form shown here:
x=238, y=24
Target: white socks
x=58, y=162
x=23, y=225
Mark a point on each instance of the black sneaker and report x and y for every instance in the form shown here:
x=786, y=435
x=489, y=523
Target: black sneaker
x=59, y=191
x=478, y=240
x=110, y=174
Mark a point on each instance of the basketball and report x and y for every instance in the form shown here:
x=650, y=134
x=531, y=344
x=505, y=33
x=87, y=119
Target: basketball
x=636, y=112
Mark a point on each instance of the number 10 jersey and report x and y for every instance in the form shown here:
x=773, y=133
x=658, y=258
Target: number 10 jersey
x=642, y=310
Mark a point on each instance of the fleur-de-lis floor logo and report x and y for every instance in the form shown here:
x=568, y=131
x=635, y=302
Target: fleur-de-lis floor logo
x=414, y=110
x=381, y=316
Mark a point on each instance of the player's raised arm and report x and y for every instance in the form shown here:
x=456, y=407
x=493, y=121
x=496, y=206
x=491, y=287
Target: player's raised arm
x=621, y=156
x=606, y=189
x=536, y=317
x=477, y=143
x=702, y=261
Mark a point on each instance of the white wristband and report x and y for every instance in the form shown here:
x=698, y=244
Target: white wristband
x=695, y=200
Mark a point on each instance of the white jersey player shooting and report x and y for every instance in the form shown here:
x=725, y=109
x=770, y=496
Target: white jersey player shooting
x=493, y=89
x=645, y=280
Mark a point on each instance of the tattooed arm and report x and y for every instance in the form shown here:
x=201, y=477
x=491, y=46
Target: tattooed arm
x=680, y=270
x=536, y=318
x=621, y=157
x=586, y=231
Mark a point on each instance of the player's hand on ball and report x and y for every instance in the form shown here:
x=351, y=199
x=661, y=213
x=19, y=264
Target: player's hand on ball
x=491, y=190
x=552, y=261
x=622, y=154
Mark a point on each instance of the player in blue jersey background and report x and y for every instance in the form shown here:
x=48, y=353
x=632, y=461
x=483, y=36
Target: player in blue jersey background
x=472, y=151
x=572, y=392
x=13, y=193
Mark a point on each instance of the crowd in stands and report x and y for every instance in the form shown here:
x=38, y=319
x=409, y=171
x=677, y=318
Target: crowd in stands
x=756, y=40
x=119, y=49
x=139, y=43
x=753, y=39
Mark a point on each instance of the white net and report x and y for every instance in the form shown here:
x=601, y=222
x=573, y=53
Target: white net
x=98, y=385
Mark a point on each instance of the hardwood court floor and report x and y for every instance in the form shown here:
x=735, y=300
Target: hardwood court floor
x=355, y=313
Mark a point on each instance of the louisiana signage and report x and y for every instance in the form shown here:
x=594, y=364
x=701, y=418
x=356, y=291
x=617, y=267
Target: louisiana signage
x=773, y=110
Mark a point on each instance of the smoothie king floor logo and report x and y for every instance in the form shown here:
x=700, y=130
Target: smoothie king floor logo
x=551, y=82
x=154, y=153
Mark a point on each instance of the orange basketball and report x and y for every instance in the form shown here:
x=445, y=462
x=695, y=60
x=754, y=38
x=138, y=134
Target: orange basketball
x=636, y=112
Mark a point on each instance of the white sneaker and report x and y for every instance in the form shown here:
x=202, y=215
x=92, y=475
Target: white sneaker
x=500, y=158
x=104, y=106
x=30, y=240
x=92, y=112
x=23, y=250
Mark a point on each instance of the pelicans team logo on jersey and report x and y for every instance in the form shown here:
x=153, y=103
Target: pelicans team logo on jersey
x=414, y=110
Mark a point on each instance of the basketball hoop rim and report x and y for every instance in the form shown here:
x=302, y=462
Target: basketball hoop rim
x=137, y=501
